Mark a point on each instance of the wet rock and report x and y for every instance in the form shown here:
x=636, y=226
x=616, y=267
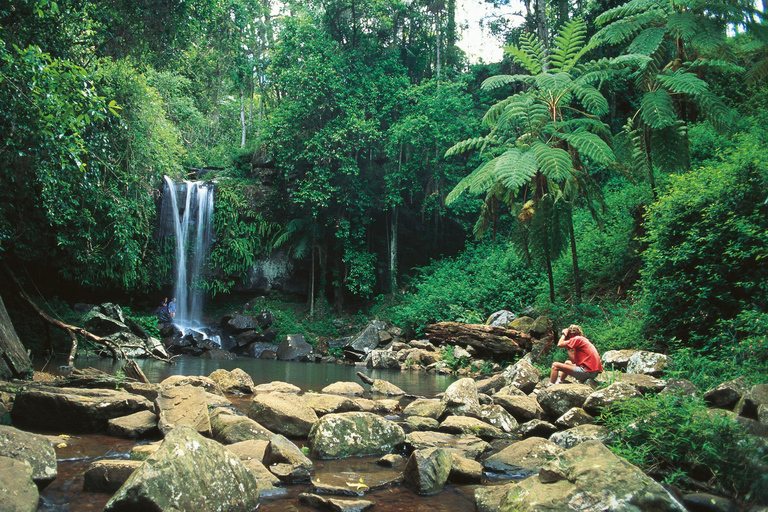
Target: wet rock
x=253, y=449
x=18, y=491
x=353, y=434
x=230, y=382
x=497, y=416
x=293, y=348
x=391, y=460
x=259, y=348
x=467, y=425
x=643, y=383
x=102, y=325
x=523, y=458
x=143, y=451
x=426, y=471
x=229, y=427
x=556, y=400
x=461, y=398
x=381, y=406
x=488, y=499
x=368, y=338
x=569, y=438
x=281, y=452
x=425, y=407
x=523, y=323
x=267, y=482
x=192, y=380
x=217, y=354
x=537, y=428
x=605, y=397
x=33, y=449
x=422, y=357
x=420, y=423
x=283, y=413
x=750, y=403
x=680, y=387
x=326, y=404
x=215, y=401
x=492, y=384
x=648, y=363
x=704, y=502
x=727, y=394
x=573, y=418
x=522, y=375
x=108, y=475
x=422, y=345
x=469, y=446
x=276, y=387
x=188, y=472
x=465, y=471
x=521, y=407
x=574, y=480
x=383, y=387
x=335, y=504
x=501, y=318
x=239, y=322
x=134, y=426
x=344, y=388
x=382, y=359
x=73, y=409
x=182, y=405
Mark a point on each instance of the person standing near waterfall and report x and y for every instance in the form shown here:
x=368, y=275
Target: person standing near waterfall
x=172, y=308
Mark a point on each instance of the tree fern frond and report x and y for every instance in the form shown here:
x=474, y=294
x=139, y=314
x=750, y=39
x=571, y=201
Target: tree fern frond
x=554, y=83
x=465, y=145
x=719, y=114
x=529, y=54
x=722, y=66
x=595, y=126
x=553, y=162
x=515, y=168
x=647, y=41
x=497, y=81
x=669, y=148
x=634, y=60
x=708, y=43
x=528, y=112
x=591, y=146
x=657, y=109
x=479, y=179
x=758, y=72
x=497, y=109
x=685, y=83
x=568, y=44
x=631, y=8
x=594, y=102
x=683, y=25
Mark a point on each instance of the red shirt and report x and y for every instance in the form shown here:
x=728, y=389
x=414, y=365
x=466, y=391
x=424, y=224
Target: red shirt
x=584, y=354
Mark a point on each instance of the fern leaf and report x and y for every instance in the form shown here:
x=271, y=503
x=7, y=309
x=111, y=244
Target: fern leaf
x=595, y=126
x=497, y=109
x=657, y=109
x=669, y=148
x=553, y=162
x=479, y=179
x=554, y=83
x=631, y=8
x=682, y=25
x=685, y=83
x=515, y=168
x=591, y=98
x=529, y=54
x=718, y=113
x=721, y=66
x=758, y=72
x=591, y=146
x=497, y=81
x=631, y=61
x=465, y=145
x=568, y=44
x=647, y=41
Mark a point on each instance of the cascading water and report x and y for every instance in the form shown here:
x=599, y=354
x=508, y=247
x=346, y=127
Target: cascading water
x=192, y=230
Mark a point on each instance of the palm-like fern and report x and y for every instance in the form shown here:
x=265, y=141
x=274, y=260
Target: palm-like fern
x=537, y=142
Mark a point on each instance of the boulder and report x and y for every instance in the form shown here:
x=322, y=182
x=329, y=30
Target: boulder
x=327, y=404
x=134, y=426
x=425, y=407
x=643, y=383
x=727, y=394
x=287, y=461
x=521, y=407
x=33, y=449
x=344, y=388
x=536, y=428
x=188, y=472
x=253, y=449
x=143, y=451
x=293, y=348
x=488, y=499
x=569, y=438
x=648, y=363
x=102, y=325
x=575, y=480
x=353, y=434
x=108, y=475
x=419, y=423
x=556, y=400
x=605, y=397
x=276, y=387
x=283, y=413
x=426, y=471
x=391, y=460
x=469, y=446
x=705, y=502
x=522, y=323
x=617, y=359
x=501, y=318
x=182, y=405
x=680, y=387
x=381, y=406
x=382, y=359
x=467, y=425
x=573, y=418
x=497, y=416
x=461, y=398
x=239, y=322
x=465, y=471
x=229, y=427
x=334, y=504
x=750, y=403
x=192, y=380
x=367, y=339
x=18, y=492
x=73, y=410
x=423, y=345
x=422, y=357
x=522, y=459
x=236, y=381
x=383, y=387
x=491, y=384
x=261, y=350
x=522, y=375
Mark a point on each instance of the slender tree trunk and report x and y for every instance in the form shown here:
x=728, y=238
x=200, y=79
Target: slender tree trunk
x=437, y=45
x=312, y=284
x=575, y=258
x=242, y=118
x=551, y=277
x=393, y=251
x=542, y=29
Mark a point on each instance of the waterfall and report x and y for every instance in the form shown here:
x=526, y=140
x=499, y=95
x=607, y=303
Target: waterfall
x=192, y=228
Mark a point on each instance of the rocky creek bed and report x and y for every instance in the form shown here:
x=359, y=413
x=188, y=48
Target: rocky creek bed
x=221, y=442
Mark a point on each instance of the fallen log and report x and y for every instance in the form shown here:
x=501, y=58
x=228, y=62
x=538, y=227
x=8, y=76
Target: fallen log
x=496, y=340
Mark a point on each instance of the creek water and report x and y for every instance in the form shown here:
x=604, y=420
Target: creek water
x=76, y=452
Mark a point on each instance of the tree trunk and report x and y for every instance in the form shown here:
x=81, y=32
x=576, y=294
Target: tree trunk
x=393, y=252
x=14, y=361
x=541, y=28
x=551, y=277
x=496, y=340
x=575, y=258
x=242, y=118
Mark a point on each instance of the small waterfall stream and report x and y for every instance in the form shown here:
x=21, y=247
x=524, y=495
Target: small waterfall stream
x=192, y=229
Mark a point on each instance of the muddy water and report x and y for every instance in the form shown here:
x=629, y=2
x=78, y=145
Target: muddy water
x=76, y=452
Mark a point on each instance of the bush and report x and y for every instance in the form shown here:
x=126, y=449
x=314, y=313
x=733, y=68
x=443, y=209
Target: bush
x=678, y=440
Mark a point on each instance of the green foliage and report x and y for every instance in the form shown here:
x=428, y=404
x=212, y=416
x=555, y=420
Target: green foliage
x=454, y=363
x=706, y=257
x=147, y=322
x=486, y=277
x=677, y=439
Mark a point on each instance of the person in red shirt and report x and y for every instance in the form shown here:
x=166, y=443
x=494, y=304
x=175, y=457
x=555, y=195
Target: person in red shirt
x=583, y=360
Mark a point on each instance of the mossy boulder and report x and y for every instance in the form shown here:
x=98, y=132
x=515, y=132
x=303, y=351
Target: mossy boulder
x=353, y=434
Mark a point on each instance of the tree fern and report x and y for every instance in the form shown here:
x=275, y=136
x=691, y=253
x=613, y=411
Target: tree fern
x=669, y=147
x=515, y=168
x=594, y=102
x=465, y=145
x=657, y=109
x=530, y=54
x=630, y=8
x=479, y=180
x=568, y=45
x=683, y=25
x=648, y=41
x=590, y=145
x=497, y=81
x=554, y=163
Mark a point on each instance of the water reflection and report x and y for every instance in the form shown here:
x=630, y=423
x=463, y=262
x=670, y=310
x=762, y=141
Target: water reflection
x=307, y=376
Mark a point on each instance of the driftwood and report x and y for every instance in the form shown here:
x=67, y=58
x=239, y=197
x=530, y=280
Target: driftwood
x=73, y=330
x=14, y=361
x=495, y=340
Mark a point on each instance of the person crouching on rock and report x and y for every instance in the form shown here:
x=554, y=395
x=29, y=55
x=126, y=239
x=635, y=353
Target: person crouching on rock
x=583, y=360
